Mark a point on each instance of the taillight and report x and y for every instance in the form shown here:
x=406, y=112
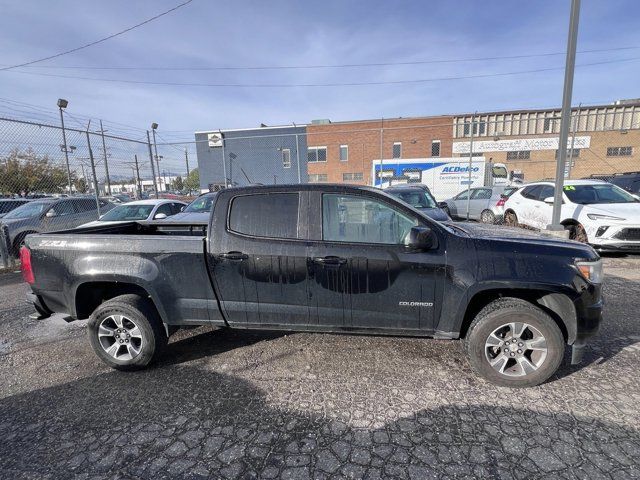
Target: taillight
x=25, y=265
x=501, y=202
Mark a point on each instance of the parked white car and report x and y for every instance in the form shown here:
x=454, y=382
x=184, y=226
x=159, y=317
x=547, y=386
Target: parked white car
x=139, y=210
x=593, y=211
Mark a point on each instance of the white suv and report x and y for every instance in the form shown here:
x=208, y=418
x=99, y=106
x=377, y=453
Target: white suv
x=593, y=211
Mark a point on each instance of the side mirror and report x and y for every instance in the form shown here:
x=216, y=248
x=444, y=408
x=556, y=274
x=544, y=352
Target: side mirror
x=422, y=238
x=51, y=214
x=160, y=216
x=548, y=200
x=182, y=208
x=442, y=205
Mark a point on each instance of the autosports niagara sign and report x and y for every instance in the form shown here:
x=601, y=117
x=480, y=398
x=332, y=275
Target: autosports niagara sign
x=550, y=143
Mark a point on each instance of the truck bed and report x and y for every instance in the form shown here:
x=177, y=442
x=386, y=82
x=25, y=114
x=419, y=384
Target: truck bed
x=166, y=261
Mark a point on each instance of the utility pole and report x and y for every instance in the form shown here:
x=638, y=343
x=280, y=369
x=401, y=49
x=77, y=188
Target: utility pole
x=62, y=103
x=473, y=117
x=106, y=163
x=139, y=186
x=186, y=159
x=153, y=168
x=573, y=142
x=565, y=119
x=154, y=127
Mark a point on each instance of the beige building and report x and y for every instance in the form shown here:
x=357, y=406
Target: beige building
x=605, y=139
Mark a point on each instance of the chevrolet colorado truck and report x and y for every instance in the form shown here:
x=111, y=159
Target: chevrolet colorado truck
x=323, y=258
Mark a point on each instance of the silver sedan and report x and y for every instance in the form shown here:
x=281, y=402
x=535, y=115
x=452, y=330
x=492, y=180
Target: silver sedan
x=486, y=204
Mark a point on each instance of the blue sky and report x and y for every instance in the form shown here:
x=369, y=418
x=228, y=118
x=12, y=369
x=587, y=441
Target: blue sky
x=242, y=33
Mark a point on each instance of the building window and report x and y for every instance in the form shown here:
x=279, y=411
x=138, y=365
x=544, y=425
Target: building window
x=467, y=129
x=344, y=153
x=435, y=148
x=316, y=154
x=350, y=177
x=519, y=155
x=397, y=150
x=318, y=177
x=479, y=128
x=286, y=158
x=619, y=151
x=573, y=154
x=548, y=124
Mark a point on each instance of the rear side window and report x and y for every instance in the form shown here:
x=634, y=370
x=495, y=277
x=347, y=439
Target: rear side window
x=273, y=215
x=85, y=205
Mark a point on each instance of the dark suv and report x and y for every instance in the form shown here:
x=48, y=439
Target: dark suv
x=629, y=181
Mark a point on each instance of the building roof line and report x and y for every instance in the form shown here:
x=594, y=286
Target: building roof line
x=250, y=129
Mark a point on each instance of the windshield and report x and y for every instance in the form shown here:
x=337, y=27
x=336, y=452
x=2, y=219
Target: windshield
x=201, y=205
x=597, y=193
x=10, y=205
x=31, y=209
x=417, y=199
x=127, y=213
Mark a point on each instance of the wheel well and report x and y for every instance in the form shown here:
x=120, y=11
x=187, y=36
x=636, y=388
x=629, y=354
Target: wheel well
x=91, y=294
x=558, y=306
x=18, y=238
x=569, y=221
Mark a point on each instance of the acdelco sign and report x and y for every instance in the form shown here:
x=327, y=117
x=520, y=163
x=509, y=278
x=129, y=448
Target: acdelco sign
x=457, y=169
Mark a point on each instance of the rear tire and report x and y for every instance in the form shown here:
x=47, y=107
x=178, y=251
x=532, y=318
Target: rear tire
x=126, y=332
x=513, y=343
x=511, y=219
x=487, y=216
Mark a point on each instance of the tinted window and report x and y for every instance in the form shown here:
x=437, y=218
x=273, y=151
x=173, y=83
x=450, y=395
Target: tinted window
x=127, y=213
x=351, y=218
x=165, y=208
x=177, y=207
x=63, y=208
x=8, y=206
x=546, y=192
x=86, y=204
x=597, y=193
x=531, y=192
x=415, y=198
x=28, y=210
x=265, y=215
x=201, y=205
x=463, y=195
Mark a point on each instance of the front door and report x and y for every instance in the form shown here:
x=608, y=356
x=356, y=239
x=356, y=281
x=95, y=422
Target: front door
x=362, y=276
x=258, y=259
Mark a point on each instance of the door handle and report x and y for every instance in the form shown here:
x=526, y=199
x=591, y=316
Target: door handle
x=330, y=260
x=234, y=256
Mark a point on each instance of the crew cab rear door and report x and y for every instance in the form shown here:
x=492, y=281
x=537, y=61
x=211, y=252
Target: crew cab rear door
x=362, y=275
x=258, y=257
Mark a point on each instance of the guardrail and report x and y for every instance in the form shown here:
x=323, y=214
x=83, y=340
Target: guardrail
x=6, y=256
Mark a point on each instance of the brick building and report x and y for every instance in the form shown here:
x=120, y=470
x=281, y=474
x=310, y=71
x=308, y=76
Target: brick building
x=343, y=152
x=607, y=139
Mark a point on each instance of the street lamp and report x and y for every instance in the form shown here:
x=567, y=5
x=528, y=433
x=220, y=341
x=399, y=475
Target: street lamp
x=62, y=104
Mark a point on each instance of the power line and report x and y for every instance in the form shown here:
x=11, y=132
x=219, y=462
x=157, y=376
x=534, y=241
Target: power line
x=347, y=65
x=98, y=41
x=337, y=84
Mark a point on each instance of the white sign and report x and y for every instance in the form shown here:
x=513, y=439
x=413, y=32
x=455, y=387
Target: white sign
x=519, y=144
x=215, y=139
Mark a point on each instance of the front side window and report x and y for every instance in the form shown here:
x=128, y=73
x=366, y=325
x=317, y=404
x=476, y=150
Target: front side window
x=201, y=205
x=358, y=219
x=272, y=215
x=546, y=192
x=63, y=208
x=482, y=194
x=463, y=195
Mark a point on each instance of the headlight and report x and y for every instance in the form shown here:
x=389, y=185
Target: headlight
x=592, y=271
x=597, y=216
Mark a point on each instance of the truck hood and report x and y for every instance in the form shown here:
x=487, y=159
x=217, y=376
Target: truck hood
x=484, y=231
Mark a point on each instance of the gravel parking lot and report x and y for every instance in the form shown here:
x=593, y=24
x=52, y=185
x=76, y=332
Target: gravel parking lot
x=269, y=405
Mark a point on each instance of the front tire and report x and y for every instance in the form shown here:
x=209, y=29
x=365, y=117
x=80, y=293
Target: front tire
x=126, y=332
x=513, y=343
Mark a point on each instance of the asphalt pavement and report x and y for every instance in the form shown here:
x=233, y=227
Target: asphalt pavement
x=224, y=404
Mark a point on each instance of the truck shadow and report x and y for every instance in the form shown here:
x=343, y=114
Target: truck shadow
x=183, y=422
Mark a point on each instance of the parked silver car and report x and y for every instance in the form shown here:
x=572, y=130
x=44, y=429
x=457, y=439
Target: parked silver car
x=486, y=204
x=50, y=214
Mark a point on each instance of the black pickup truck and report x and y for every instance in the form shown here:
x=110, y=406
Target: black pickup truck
x=323, y=258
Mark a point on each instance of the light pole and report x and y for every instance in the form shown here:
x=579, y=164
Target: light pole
x=62, y=103
x=565, y=120
x=106, y=163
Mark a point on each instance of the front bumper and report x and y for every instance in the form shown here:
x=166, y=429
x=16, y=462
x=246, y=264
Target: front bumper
x=615, y=237
x=589, y=307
